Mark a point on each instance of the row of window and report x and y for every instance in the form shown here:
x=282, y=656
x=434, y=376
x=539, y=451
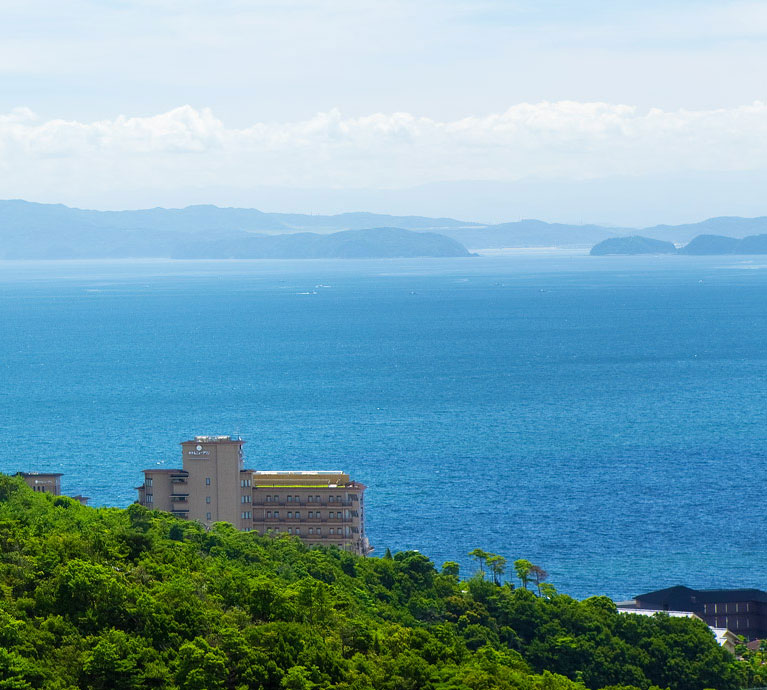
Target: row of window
x=245, y=515
x=297, y=499
x=733, y=607
x=732, y=623
x=244, y=482
x=245, y=498
x=312, y=514
x=315, y=530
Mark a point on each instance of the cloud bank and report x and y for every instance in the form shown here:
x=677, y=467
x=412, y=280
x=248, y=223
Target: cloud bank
x=188, y=147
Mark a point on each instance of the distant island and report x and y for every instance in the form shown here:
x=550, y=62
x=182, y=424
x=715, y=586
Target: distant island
x=53, y=231
x=375, y=243
x=702, y=245
x=632, y=245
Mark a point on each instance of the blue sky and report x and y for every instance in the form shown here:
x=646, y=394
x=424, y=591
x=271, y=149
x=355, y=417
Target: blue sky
x=371, y=94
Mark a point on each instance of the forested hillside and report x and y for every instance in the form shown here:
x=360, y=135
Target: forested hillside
x=109, y=598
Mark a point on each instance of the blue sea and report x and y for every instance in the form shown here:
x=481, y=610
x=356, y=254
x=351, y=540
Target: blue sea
x=604, y=417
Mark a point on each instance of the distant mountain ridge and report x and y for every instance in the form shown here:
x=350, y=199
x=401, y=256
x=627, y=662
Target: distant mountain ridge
x=32, y=230
x=702, y=245
x=19, y=214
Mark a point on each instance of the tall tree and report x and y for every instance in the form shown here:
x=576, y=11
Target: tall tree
x=539, y=575
x=523, y=567
x=497, y=565
x=480, y=556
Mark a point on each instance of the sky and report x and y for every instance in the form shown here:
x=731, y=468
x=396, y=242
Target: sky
x=580, y=111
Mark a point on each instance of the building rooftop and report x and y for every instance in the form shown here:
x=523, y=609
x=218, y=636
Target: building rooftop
x=652, y=612
x=315, y=478
x=680, y=596
x=300, y=472
x=215, y=439
x=40, y=474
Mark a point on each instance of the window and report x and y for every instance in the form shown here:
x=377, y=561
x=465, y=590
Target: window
x=332, y=531
x=290, y=515
x=310, y=499
x=207, y=481
x=275, y=498
x=276, y=513
x=316, y=499
x=298, y=530
x=297, y=499
x=148, y=481
x=245, y=515
x=290, y=499
x=319, y=530
x=268, y=499
x=149, y=498
x=268, y=513
x=298, y=515
x=207, y=499
x=245, y=499
x=207, y=516
x=311, y=513
x=330, y=499
x=338, y=498
x=290, y=530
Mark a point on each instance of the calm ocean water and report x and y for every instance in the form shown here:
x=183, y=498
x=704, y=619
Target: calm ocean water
x=603, y=417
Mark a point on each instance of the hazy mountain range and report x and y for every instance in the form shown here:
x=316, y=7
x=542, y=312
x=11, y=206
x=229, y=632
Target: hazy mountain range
x=53, y=231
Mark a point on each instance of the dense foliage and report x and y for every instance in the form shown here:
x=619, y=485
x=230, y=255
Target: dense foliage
x=109, y=598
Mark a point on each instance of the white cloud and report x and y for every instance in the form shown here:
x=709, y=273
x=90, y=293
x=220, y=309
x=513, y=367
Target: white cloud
x=187, y=147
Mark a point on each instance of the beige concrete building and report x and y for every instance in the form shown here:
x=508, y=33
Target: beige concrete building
x=47, y=483
x=43, y=482
x=322, y=508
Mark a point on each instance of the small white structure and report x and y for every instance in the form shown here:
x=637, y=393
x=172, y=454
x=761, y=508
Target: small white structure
x=726, y=638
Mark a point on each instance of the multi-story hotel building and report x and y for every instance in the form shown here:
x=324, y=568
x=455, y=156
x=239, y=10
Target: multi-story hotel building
x=47, y=483
x=322, y=508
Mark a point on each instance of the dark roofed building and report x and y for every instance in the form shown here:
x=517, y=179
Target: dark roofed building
x=743, y=611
